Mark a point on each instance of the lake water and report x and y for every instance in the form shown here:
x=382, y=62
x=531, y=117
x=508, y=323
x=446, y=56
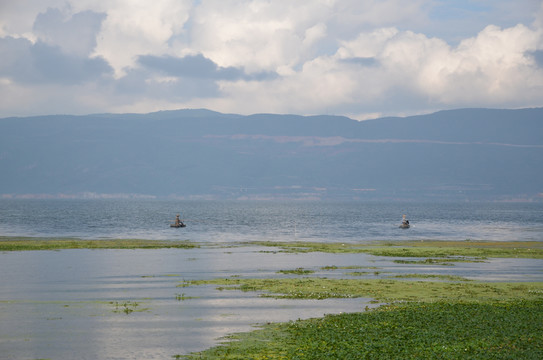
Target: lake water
x=69, y=304
x=210, y=221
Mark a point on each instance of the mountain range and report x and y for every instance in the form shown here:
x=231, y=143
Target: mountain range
x=465, y=154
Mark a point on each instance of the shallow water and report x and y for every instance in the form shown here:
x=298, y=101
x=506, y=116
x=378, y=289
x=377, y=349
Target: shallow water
x=61, y=304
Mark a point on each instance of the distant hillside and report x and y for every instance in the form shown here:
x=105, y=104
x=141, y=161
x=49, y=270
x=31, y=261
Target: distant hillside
x=473, y=154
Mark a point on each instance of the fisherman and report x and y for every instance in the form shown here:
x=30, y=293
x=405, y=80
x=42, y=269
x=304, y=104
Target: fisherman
x=178, y=223
x=405, y=222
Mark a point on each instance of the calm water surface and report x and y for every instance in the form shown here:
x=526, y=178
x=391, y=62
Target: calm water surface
x=210, y=221
x=68, y=304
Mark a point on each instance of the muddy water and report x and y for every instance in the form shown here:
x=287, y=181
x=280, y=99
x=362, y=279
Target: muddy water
x=71, y=304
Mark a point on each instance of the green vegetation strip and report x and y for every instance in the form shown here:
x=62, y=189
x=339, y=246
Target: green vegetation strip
x=20, y=244
x=510, y=330
x=384, y=290
x=449, y=251
x=431, y=249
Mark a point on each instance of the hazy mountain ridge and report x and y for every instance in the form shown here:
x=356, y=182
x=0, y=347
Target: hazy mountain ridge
x=457, y=154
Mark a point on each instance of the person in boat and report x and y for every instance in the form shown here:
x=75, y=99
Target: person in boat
x=178, y=222
x=405, y=222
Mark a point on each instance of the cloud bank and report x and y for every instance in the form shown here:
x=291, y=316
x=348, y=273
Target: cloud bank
x=357, y=58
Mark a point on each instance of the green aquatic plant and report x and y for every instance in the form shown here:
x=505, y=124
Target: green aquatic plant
x=183, y=297
x=23, y=244
x=126, y=307
x=438, y=330
x=428, y=249
x=442, y=261
x=348, y=267
x=420, y=248
x=297, y=271
x=385, y=290
x=305, y=247
x=468, y=248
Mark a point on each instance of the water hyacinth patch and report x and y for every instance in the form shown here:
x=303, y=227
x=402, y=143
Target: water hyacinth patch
x=440, y=330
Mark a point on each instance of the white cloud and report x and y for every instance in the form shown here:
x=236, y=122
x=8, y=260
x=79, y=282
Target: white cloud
x=338, y=56
x=254, y=34
x=492, y=69
x=134, y=28
x=366, y=45
x=272, y=34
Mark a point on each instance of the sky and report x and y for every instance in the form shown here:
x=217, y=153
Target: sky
x=358, y=58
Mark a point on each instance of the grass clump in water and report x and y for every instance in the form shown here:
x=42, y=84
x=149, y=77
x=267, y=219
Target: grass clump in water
x=297, y=271
x=127, y=307
x=348, y=267
x=509, y=330
x=183, y=297
x=443, y=261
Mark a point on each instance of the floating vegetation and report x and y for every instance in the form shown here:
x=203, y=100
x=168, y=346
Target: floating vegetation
x=428, y=249
x=332, y=267
x=349, y=267
x=439, y=330
x=305, y=247
x=183, y=297
x=22, y=244
x=471, y=249
x=126, y=307
x=385, y=290
x=444, y=261
x=298, y=271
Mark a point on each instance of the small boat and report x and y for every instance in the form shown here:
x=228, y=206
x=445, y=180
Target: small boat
x=405, y=223
x=178, y=223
